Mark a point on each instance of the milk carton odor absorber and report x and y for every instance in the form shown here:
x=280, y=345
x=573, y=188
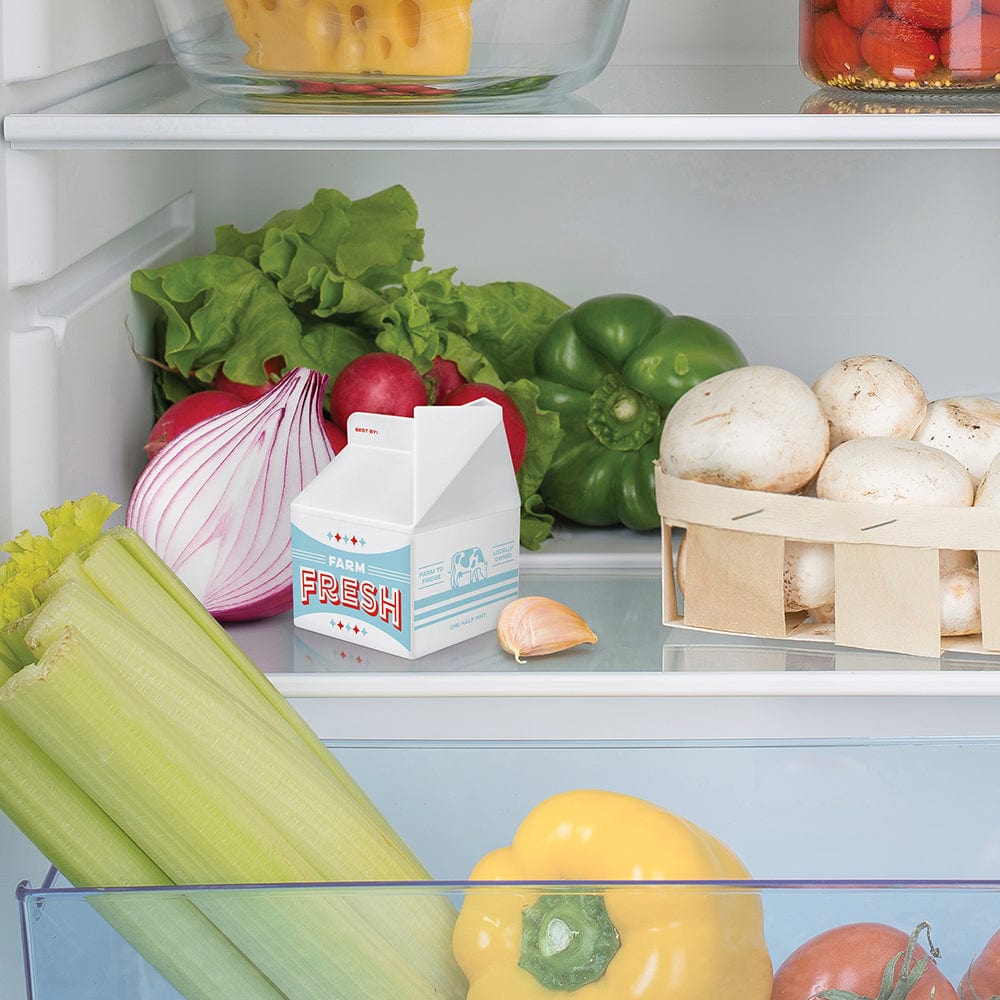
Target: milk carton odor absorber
x=408, y=540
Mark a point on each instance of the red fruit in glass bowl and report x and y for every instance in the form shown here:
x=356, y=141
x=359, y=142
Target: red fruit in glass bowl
x=836, y=48
x=971, y=50
x=931, y=14
x=857, y=13
x=899, y=51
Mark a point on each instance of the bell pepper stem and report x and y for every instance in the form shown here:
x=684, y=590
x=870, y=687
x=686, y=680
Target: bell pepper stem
x=620, y=417
x=567, y=941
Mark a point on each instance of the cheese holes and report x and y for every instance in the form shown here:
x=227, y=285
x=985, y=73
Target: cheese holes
x=408, y=17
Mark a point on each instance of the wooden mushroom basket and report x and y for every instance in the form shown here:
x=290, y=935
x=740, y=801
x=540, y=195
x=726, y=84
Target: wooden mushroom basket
x=886, y=565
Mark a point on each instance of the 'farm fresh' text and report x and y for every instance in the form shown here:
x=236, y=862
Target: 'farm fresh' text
x=374, y=600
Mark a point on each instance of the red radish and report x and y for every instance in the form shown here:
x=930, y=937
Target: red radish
x=377, y=383
x=513, y=422
x=336, y=436
x=248, y=393
x=442, y=378
x=187, y=412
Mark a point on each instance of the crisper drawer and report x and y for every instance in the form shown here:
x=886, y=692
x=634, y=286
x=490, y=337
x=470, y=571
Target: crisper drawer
x=832, y=832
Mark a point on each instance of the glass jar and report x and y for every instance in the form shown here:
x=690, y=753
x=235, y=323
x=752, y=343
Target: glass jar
x=901, y=44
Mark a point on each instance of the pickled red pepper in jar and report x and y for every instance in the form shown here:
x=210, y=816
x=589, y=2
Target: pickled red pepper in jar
x=901, y=44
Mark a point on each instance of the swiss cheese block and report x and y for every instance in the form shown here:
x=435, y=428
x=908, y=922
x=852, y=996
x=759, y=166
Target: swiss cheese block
x=392, y=37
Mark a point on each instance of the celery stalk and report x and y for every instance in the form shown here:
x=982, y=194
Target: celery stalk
x=238, y=743
x=135, y=579
x=159, y=726
x=137, y=762
x=249, y=755
x=89, y=849
x=14, y=651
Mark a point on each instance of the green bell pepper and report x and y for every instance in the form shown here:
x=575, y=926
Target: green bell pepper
x=612, y=368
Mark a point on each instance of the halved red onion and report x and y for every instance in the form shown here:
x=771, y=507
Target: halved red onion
x=215, y=503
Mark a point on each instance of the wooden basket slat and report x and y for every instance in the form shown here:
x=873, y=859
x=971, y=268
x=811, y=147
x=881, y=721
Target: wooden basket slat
x=989, y=597
x=734, y=569
x=733, y=581
x=873, y=610
x=683, y=502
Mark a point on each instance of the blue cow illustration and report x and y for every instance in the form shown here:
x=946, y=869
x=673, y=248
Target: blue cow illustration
x=468, y=566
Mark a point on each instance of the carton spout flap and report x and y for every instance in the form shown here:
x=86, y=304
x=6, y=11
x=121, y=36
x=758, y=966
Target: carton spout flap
x=372, y=478
x=462, y=463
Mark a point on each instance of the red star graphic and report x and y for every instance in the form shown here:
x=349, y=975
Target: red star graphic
x=340, y=624
x=354, y=540
x=338, y=536
x=356, y=630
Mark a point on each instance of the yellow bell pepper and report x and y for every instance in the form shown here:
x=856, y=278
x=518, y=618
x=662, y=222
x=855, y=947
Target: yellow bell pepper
x=610, y=941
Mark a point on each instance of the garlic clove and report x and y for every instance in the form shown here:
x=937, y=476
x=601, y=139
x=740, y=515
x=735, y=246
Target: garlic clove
x=536, y=626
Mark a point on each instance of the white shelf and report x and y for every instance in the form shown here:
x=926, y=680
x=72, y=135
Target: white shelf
x=631, y=107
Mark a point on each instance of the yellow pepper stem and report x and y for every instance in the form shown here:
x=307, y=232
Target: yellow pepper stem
x=567, y=941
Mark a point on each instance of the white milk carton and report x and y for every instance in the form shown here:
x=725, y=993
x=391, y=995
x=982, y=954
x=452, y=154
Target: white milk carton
x=408, y=541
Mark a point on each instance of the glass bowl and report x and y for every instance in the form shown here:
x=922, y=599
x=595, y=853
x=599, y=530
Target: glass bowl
x=339, y=53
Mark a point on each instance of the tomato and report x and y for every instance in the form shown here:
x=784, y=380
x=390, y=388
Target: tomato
x=836, y=47
x=854, y=957
x=513, y=422
x=899, y=51
x=376, y=383
x=857, y=13
x=982, y=979
x=971, y=50
x=932, y=14
x=187, y=412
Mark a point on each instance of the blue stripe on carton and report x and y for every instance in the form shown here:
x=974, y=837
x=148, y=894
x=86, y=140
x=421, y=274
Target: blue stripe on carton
x=483, y=592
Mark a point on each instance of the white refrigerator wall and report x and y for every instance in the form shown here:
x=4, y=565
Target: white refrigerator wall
x=803, y=256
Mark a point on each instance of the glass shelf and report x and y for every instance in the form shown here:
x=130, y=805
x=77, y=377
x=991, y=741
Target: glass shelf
x=613, y=579
x=672, y=107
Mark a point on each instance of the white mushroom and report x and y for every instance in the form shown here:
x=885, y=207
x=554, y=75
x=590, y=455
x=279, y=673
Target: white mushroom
x=870, y=396
x=967, y=427
x=894, y=470
x=681, y=564
x=808, y=578
x=897, y=471
x=988, y=491
x=755, y=428
x=960, y=608
x=950, y=560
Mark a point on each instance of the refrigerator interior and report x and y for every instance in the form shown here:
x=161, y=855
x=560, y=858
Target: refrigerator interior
x=804, y=254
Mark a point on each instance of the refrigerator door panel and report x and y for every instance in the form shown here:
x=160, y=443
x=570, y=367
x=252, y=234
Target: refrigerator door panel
x=48, y=37
x=77, y=390
x=63, y=206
